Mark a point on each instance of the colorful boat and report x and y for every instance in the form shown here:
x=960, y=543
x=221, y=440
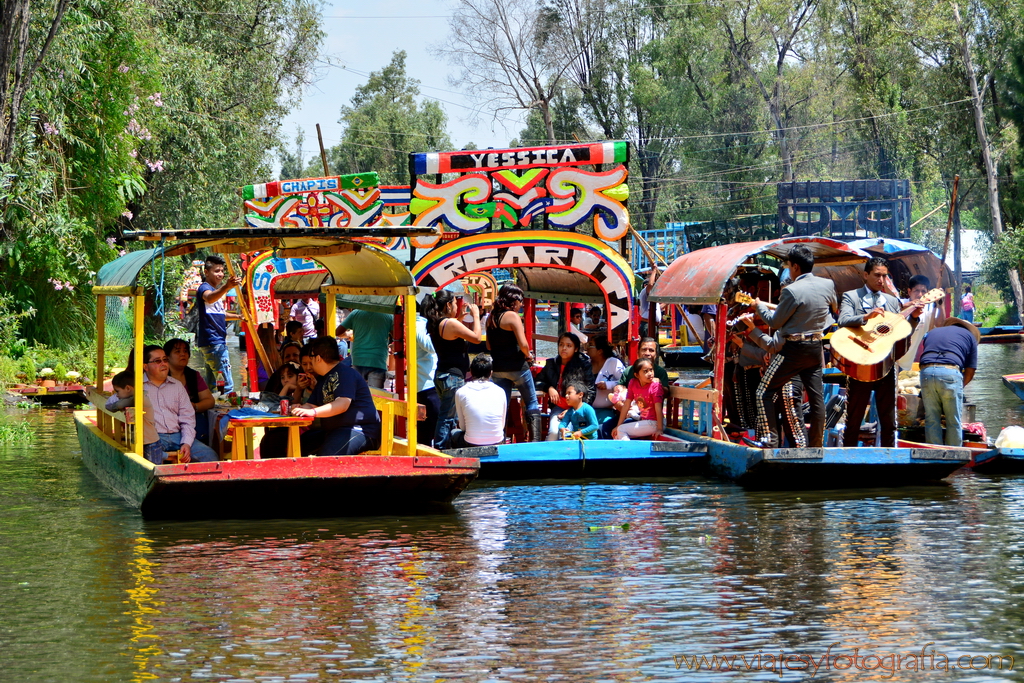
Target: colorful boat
x=999, y=461
x=401, y=476
x=700, y=277
x=1015, y=383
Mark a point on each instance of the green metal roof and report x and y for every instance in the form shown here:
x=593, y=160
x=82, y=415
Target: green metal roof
x=124, y=270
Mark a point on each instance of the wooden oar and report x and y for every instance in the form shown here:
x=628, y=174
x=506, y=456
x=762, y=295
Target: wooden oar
x=250, y=323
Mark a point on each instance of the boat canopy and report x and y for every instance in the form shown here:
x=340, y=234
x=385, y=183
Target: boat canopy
x=917, y=259
x=700, y=277
x=363, y=269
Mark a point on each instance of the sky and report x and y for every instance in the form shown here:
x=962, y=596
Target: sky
x=361, y=37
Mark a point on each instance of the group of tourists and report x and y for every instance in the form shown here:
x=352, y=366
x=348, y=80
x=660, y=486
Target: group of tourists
x=777, y=356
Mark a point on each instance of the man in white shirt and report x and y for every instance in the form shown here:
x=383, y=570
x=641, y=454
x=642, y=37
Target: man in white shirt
x=306, y=311
x=173, y=414
x=481, y=406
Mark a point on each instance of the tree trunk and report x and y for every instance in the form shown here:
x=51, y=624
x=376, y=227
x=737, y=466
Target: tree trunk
x=549, y=125
x=986, y=154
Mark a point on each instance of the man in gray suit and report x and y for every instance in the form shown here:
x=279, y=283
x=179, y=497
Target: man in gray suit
x=858, y=307
x=804, y=312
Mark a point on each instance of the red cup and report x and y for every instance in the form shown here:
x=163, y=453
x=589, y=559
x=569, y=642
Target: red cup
x=284, y=406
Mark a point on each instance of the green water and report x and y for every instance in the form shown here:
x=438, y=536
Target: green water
x=512, y=586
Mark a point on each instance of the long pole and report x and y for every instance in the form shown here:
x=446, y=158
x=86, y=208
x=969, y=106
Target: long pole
x=250, y=323
x=949, y=221
x=323, y=154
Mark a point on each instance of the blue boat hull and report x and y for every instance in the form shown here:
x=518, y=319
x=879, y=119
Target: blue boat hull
x=829, y=468
x=1000, y=461
x=591, y=459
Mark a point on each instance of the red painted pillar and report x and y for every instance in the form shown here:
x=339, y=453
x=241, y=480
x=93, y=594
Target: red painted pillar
x=721, y=339
x=250, y=359
x=529, y=322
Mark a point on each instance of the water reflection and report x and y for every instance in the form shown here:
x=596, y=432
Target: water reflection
x=519, y=583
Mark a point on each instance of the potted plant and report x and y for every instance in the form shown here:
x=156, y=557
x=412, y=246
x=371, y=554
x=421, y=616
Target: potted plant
x=46, y=378
x=73, y=377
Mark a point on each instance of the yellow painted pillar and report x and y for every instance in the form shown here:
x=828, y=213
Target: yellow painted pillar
x=331, y=315
x=101, y=337
x=140, y=310
x=411, y=373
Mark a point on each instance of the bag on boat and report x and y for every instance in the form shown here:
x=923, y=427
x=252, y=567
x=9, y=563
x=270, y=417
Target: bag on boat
x=1011, y=437
x=191, y=319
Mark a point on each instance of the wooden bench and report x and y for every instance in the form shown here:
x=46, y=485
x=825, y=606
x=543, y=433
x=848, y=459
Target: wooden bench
x=692, y=410
x=391, y=406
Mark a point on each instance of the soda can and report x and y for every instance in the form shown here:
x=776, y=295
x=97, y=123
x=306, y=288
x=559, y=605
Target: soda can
x=284, y=406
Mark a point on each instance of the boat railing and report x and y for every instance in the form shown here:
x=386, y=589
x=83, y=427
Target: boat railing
x=391, y=406
x=118, y=426
x=692, y=410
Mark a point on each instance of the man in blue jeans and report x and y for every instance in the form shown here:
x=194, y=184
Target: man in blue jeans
x=949, y=358
x=211, y=340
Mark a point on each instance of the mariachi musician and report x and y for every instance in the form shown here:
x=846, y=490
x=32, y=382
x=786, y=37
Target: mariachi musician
x=857, y=308
x=804, y=312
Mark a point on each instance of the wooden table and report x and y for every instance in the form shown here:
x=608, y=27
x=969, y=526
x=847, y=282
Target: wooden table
x=241, y=428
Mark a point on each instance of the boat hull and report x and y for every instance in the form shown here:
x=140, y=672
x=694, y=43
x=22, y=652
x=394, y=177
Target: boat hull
x=1015, y=383
x=1000, y=461
x=829, y=468
x=279, y=487
x=598, y=459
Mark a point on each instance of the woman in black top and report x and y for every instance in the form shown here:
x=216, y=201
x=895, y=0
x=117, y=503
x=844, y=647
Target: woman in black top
x=511, y=353
x=569, y=365
x=178, y=353
x=451, y=340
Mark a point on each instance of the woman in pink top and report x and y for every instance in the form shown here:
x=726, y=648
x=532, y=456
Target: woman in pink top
x=646, y=391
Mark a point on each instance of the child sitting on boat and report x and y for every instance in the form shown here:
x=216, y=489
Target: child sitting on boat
x=579, y=421
x=124, y=397
x=649, y=394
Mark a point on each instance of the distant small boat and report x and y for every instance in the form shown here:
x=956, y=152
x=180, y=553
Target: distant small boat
x=1015, y=383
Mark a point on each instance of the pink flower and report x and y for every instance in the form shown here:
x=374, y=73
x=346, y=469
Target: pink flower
x=127, y=214
x=111, y=240
x=122, y=252
x=49, y=128
x=134, y=153
x=68, y=286
x=155, y=166
x=123, y=68
x=155, y=99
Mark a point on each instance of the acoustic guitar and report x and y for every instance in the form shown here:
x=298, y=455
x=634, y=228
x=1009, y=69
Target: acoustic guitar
x=865, y=353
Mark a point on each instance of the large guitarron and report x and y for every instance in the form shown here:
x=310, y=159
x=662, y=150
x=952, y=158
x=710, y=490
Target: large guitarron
x=865, y=353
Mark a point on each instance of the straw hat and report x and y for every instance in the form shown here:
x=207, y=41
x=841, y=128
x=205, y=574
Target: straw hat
x=964, y=324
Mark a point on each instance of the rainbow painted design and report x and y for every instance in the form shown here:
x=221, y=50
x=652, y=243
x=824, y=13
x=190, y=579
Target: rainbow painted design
x=261, y=275
x=534, y=248
x=519, y=185
x=348, y=201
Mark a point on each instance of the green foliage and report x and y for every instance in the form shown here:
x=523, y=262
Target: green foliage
x=383, y=124
x=16, y=432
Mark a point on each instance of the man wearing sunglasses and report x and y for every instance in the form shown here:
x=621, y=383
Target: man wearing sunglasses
x=173, y=413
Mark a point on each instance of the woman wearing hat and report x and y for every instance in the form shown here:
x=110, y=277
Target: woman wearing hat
x=949, y=358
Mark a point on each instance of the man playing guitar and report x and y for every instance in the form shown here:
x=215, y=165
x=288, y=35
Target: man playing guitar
x=857, y=308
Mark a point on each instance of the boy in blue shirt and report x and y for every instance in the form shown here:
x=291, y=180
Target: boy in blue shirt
x=580, y=418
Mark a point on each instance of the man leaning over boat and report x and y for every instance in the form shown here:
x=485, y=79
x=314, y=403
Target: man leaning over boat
x=805, y=310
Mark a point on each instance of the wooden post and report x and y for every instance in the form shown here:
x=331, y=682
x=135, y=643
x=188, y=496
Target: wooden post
x=323, y=154
x=331, y=314
x=101, y=338
x=411, y=405
x=140, y=318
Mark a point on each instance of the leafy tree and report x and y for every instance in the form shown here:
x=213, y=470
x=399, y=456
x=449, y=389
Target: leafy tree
x=384, y=123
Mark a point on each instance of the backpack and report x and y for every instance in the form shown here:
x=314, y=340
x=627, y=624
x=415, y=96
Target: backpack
x=191, y=319
x=967, y=302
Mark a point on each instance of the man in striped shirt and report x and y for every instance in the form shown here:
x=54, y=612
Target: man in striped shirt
x=173, y=414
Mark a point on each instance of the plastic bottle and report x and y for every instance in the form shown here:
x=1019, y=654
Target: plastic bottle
x=220, y=382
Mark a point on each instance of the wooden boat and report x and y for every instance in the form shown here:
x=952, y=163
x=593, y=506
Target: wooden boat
x=526, y=206
x=999, y=461
x=401, y=476
x=700, y=277
x=1015, y=383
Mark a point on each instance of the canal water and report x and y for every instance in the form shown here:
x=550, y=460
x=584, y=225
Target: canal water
x=541, y=581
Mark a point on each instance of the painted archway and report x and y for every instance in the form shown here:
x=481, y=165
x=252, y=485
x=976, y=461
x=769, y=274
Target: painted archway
x=536, y=249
